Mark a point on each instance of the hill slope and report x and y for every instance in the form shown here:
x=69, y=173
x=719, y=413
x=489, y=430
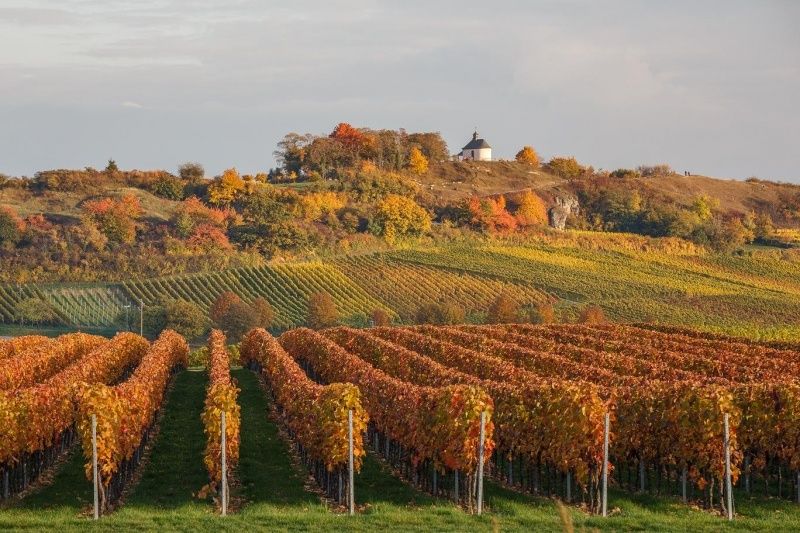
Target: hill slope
x=632, y=278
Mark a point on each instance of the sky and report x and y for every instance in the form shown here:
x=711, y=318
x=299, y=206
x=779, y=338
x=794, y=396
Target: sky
x=712, y=87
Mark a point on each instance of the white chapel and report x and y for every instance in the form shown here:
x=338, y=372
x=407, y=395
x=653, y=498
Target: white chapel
x=476, y=150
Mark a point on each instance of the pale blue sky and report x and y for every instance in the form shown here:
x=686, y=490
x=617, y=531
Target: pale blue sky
x=707, y=86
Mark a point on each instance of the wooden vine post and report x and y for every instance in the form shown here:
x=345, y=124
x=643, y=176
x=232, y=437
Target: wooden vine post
x=728, y=484
x=481, y=452
x=350, y=466
x=224, y=488
x=95, y=479
x=605, y=466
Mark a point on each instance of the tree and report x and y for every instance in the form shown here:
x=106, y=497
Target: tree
x=186, y=318
x=531, y=210
x=380, y=317
x=503, y=310
x=191, y=172
x=115, y=218
x=417, y=163
x=154, y=319
x=11, y=226
x=264, y=312
x=292, y=151
x=528, y=156
x=225, y=188
x=238, y=319
x=169, y=187
x=221, y=305
x=490, y=215
x=322, y=312
x=541, y=313
x=592, y=314
x=111, y=167
x=764, y=228
x=431, y=144
x=398, y=216
x=566, y=167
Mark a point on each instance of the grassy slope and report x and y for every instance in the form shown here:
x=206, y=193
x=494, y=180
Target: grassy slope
x=453, y=181
x=276, y=499
x=67, y=204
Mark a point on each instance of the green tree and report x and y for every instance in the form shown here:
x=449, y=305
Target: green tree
x=322, y=312
x=566, y=167
x=154, y=319
x=186, y=318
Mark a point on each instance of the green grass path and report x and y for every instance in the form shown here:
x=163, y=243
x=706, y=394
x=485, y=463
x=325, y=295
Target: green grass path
x=275, y=499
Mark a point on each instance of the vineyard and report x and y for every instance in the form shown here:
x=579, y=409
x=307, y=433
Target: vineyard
x=463, y=414
x=633, y=279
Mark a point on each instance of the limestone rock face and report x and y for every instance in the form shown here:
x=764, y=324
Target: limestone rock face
x=565, y=206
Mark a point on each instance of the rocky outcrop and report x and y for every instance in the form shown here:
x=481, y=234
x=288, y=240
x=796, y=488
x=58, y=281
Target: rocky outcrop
x=565, y=206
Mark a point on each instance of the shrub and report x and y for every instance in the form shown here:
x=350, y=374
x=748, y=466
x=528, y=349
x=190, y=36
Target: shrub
x=652, y=171
x=445, y=313
x=541, y=313
x=626, y=173
x=566, y=167
x=503, y=310
x=531, y=210
x=11, y=226
x=322, y=312
x=191, y=172
x=380, y=317
x=168, y=187
x=592, y=314
x=528, y=156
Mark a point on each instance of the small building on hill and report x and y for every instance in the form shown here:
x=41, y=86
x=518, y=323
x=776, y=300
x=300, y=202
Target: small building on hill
x=476, y=150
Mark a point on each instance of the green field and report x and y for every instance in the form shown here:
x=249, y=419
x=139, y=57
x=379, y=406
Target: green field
x=633, y=278
x=271, y=494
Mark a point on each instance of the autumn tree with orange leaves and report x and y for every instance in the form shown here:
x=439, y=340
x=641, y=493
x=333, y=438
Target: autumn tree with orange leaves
x=490, y=215
x=115, y=218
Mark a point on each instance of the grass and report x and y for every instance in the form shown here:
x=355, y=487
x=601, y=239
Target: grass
x=275, y=498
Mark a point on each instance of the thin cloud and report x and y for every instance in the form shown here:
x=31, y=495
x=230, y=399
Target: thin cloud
x=134, y=105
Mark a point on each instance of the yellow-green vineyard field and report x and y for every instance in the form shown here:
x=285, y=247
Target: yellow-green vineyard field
x=634, y=279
